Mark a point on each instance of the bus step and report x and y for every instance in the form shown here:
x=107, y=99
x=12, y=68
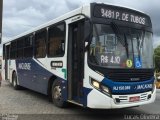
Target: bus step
x=71, y=101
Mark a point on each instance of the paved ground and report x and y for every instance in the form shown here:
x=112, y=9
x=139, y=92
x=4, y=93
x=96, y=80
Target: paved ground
x=31, y=105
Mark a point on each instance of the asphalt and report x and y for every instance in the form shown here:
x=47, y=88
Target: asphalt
x=27, y=105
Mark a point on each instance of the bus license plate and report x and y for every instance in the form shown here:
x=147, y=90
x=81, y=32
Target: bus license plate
x=134, y=99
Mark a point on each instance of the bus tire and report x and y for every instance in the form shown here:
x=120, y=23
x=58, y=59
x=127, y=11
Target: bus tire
x=57, y=95
x=14, y=81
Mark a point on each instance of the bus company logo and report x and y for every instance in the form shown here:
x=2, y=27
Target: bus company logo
x=144, y=86
x=134, y=79
x=24, y=66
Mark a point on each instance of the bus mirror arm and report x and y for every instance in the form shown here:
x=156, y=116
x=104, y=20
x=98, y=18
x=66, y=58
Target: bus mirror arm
x=87, y=33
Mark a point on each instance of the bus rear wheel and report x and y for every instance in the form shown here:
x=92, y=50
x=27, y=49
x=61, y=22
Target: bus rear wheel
x=14, y=82
x=57, y=95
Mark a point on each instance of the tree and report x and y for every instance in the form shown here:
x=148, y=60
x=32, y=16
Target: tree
x=157, y=58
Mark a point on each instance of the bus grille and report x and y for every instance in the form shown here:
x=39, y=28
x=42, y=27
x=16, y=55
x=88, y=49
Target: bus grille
x=130, y=75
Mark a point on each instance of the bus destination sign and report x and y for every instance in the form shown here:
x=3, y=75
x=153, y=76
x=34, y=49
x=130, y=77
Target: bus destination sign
x=122, y=14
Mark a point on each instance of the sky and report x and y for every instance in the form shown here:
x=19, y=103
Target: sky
x=22, y=15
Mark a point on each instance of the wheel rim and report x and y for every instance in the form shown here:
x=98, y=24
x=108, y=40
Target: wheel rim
x=57, y=93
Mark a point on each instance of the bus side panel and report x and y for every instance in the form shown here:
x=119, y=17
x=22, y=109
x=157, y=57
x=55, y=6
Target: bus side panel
x=32, y=75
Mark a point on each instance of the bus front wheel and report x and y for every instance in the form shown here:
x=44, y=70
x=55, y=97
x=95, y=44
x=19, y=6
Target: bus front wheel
x=57, y=95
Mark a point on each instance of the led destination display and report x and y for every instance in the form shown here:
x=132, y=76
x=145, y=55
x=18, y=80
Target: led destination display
x=122, y=14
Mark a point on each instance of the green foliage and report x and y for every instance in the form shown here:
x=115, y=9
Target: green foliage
x=157, y=58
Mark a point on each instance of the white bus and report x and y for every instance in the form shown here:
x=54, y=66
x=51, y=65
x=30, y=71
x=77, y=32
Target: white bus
x=97, y=56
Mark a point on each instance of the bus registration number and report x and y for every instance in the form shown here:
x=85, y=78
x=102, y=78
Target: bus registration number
x=134, y=99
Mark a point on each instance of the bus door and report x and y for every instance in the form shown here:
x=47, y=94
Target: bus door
x=7, y=60
x=75, y=62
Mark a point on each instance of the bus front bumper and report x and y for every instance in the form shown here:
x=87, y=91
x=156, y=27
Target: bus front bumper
x=99, y=100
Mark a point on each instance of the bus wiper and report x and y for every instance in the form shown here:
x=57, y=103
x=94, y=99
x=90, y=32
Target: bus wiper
x=140, y=41
x=140, y=44
x=117, y=32
x=126, y=45
x=122, y=39
x=143, y=36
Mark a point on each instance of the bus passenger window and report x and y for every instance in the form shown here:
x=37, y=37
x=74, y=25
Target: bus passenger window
x=28, y=47
x=56, y=42
x=13, y=51
x=40, y=44
x=20, y=45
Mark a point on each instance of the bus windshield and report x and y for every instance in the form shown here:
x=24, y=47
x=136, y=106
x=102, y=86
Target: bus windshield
x=128, y=48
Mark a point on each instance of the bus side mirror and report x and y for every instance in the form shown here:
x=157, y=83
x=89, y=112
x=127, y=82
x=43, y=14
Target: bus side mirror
x=87, y=31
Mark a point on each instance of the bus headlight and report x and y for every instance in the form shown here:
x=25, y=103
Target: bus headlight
x=105, y=89
x=97, y=85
